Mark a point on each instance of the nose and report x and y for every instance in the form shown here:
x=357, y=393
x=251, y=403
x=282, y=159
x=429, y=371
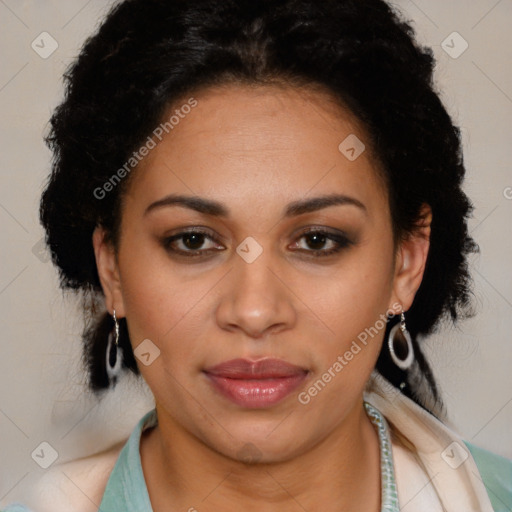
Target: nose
x=256, y=299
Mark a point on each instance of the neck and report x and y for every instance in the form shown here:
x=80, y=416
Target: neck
x=341, y=472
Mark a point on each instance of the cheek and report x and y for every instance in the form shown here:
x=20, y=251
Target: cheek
x=355, y=296
x=165, y=304
x=353, y=304
x=161, y=311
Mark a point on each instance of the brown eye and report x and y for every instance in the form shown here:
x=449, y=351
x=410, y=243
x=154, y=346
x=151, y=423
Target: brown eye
x=191, y=243
x=319, y=242
x=316, y=241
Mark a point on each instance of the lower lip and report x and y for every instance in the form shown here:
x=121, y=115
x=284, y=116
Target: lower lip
x=256, y=394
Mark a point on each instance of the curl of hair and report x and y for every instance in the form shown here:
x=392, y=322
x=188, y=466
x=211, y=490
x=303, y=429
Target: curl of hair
x=148, y=54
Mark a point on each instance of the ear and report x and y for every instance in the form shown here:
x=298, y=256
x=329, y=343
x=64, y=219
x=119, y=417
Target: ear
x=106, y=263
x=411, y=259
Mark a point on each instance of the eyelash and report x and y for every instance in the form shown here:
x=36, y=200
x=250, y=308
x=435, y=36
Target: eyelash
x=341, y=240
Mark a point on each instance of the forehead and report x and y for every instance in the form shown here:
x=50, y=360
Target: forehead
x=266, y=143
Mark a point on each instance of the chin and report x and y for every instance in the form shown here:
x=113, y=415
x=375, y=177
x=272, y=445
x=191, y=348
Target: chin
x=266, y=446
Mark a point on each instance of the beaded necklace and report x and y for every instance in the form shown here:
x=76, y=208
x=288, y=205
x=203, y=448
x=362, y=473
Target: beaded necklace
x=389, y=494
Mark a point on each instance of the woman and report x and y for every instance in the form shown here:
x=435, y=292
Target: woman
x=265, y=200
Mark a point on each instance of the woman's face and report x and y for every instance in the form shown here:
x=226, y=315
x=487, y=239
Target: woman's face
x=292, y=259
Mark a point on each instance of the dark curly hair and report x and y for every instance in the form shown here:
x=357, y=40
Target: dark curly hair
x=147, y=54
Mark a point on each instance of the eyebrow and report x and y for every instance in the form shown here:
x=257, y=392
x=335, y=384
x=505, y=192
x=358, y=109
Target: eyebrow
x=216, y=209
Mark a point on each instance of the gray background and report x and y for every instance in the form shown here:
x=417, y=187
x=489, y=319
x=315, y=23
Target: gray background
x=42, y=395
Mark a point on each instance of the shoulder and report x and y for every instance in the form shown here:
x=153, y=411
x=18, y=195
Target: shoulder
x=496, y=473
x=77, y=485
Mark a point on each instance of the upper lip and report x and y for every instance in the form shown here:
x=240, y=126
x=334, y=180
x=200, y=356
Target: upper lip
x=261, y=369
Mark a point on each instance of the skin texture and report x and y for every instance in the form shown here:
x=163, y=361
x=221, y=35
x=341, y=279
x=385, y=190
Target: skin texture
x=255, y=150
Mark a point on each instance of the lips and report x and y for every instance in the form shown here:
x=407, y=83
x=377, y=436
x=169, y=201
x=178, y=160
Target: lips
x=262, y=369
x=255, y=384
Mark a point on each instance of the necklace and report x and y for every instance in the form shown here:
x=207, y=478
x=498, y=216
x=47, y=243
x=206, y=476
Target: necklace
x=389, y=494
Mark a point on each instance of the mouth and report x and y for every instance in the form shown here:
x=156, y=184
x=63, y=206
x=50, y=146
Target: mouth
x=255, y=384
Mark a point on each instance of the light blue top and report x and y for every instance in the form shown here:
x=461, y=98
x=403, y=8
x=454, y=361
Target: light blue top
x=126, y=489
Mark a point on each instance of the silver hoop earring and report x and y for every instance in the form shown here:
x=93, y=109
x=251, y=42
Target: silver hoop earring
x=400, y=345
x=114, y=353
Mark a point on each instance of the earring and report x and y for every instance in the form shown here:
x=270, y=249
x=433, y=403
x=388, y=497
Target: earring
x=114, y=353
x=400, y=345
